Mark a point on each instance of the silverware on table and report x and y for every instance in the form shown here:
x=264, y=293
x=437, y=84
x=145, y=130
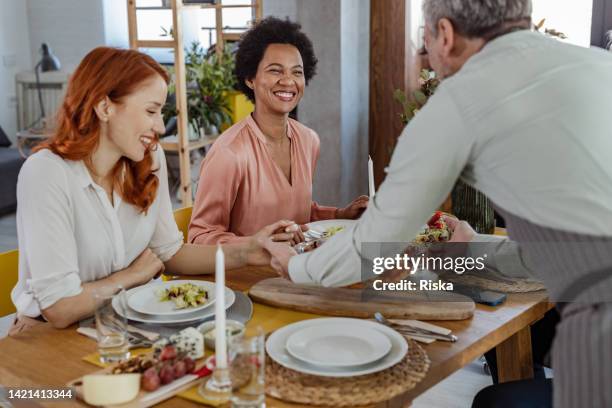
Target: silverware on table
x=407, y=329
x=138, y=343
x=138, y=336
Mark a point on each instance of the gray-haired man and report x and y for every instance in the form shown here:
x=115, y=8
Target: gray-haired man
x=524, y=119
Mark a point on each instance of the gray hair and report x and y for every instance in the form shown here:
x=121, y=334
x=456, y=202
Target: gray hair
x=474, y=18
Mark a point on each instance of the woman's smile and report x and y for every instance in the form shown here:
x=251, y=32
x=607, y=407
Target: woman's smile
x=285, y=96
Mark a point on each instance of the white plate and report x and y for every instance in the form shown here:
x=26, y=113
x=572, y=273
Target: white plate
x=198, y=315
x=145, y=299
x=322, y=226
x=275, y=347
x=338, y=345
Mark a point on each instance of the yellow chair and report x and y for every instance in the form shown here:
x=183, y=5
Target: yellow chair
x=9, y=265
x=182, y=216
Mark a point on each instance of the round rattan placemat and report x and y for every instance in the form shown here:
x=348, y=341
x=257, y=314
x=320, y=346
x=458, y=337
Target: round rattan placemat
x=510, y=286
x=292, y=386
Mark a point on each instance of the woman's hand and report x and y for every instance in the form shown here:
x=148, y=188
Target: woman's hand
x=354, y=209
x=144, y=268
x=283, y=232
x=292, y=235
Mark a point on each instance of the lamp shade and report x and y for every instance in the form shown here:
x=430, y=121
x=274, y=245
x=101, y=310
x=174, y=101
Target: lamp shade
x=49, y=62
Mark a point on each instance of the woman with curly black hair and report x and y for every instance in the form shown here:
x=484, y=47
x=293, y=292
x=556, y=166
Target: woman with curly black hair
x=261, y=168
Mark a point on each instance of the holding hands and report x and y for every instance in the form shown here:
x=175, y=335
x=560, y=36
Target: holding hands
x=281, y=233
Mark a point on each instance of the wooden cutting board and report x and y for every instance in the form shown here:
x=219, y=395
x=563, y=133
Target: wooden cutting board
x=138, y=401
x=362, y=303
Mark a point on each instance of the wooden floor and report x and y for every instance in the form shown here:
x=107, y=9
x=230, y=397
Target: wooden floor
x=456, y=391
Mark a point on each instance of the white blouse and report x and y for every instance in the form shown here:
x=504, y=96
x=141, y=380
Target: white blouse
x=69, y=232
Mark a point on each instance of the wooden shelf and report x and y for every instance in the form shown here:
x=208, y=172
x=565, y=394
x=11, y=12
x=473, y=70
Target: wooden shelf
x=155, y=44
x=214, y=6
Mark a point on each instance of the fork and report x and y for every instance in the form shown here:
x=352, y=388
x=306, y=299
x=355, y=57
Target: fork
x=138, y=343
x=313, y=234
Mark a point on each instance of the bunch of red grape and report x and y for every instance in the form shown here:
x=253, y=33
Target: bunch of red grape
x=169, y=366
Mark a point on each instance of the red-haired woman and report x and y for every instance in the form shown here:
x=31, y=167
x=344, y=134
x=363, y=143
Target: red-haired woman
x=93, y=202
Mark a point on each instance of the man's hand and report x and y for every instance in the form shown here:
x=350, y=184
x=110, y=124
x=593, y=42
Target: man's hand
x=461, y=231
x=280, y=253
x=354, y=209
x=293, y=234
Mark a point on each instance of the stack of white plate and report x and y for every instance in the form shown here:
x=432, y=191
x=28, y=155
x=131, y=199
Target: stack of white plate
x=336, y=347
x=143, y=304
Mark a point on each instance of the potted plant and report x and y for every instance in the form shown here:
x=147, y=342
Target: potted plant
x=209, y=77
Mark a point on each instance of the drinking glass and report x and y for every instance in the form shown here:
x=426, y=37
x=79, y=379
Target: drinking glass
x=247, y=371
x=111, y=326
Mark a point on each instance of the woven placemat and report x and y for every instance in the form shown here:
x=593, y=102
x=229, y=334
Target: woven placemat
x=288, y=385
x=515, y=285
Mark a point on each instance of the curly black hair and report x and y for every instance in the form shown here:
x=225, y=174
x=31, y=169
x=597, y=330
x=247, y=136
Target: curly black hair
x=254, y=43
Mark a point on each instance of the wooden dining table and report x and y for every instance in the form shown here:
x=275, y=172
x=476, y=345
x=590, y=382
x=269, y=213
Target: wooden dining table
x=48, y=357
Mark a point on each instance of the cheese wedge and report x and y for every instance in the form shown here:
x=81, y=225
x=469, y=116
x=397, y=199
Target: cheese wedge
x=101, y=389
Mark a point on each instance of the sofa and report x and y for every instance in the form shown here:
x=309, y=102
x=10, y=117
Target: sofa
x=10, y=164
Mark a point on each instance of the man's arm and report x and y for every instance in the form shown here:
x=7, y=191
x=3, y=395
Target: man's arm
x=430, y=155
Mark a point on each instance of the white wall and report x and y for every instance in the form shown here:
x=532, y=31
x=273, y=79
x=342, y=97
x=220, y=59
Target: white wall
x=355, y=73
x=71, y=28
x=15, y=56
x=280, y=8
x=321, y=108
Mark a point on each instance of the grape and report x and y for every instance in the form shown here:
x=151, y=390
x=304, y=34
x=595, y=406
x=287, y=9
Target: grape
x=189, y=365
x=180, y=368
x=168, y=353
x=166, y=374
x=150, y=380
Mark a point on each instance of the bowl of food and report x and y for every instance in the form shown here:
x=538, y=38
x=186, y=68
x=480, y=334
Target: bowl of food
x=233, y=330
x=436, y=230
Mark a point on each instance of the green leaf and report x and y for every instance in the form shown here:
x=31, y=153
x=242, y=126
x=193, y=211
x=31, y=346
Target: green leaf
x=420, y=97
x=400, y=96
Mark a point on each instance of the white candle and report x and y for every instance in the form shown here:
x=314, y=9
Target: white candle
x=220, y=343
x=371, y=177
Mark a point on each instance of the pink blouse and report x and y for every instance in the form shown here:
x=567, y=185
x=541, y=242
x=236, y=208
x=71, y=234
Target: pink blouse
x=241, y=189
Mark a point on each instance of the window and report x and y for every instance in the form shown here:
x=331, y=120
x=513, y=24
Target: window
x=571, y=17
x=199, y=22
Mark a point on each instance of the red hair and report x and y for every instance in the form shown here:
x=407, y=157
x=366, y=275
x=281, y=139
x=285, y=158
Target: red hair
x=113, y=73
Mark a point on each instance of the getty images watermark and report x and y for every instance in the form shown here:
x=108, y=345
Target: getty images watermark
x=394, y=267
x=422, y=262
